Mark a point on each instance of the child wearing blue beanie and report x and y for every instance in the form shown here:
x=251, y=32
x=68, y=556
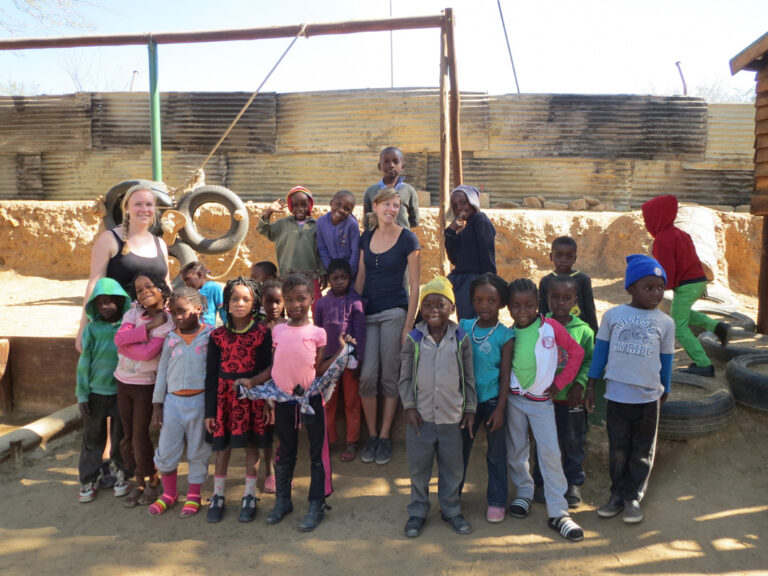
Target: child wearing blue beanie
x=635, y=346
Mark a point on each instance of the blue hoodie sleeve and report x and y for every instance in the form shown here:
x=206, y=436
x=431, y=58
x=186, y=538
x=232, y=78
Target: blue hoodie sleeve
x=599, y=358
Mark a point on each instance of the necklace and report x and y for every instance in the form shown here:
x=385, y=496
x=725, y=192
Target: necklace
x=483, y=339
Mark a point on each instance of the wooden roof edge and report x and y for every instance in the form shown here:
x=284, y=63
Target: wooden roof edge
x=752, y=57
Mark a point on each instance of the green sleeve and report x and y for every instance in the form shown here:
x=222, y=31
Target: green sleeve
x=83, y=386
x=587, y=342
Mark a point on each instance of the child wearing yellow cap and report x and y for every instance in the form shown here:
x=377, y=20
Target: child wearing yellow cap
x=437, y=387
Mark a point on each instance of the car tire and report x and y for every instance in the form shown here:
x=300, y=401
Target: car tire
x=238, y=226
x=112, y=203
x=740, y=342
x=696, y=406
x=749, y=386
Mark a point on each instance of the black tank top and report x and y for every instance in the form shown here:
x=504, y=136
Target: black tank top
x=123, y=269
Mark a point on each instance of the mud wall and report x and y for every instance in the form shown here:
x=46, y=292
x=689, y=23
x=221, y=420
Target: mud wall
x=53, y=240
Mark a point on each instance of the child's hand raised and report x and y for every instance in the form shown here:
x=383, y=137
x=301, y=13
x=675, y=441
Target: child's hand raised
x=278, y=205
x=458, y=224
x=158, y=319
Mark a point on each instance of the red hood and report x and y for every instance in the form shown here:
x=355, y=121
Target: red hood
x=659, y=213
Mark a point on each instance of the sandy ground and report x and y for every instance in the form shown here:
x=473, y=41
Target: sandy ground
x=706, y=511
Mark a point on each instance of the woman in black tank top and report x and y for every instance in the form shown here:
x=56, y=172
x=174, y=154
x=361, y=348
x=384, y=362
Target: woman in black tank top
x=114, y=253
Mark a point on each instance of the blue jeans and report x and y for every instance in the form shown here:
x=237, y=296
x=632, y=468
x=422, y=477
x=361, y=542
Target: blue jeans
x=496, y=457
x=571, y=433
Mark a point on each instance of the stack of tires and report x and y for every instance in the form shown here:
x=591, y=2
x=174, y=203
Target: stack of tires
x=189, y=242
x=699, y=405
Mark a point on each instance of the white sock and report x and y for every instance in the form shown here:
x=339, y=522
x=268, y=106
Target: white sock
x=218, y=485
x=250, y=486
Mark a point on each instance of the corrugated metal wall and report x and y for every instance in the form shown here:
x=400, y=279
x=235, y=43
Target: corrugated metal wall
x=622, y=149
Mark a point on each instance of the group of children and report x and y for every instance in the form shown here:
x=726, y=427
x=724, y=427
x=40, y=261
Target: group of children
x=281, y=347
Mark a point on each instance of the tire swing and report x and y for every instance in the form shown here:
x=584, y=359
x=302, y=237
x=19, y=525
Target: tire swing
x=114, y=198
x=209, y=194
x=740, y=342
x=696, y=406
x=183, y=254
x=748, y=377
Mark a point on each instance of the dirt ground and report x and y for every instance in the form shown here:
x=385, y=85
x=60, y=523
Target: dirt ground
x=706, y=510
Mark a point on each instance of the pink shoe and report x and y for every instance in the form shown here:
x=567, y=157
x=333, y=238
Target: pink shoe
x=495, y=514
x=269, y=484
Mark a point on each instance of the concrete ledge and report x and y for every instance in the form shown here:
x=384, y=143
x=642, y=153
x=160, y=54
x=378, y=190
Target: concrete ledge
x=41, y=431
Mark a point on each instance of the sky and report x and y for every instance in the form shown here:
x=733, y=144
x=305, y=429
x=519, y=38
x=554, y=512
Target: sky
x=577, y=47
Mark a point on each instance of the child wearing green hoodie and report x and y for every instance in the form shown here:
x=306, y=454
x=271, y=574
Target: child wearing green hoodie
x=96, y=390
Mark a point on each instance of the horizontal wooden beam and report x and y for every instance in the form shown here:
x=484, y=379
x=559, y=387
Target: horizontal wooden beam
x=328, y=28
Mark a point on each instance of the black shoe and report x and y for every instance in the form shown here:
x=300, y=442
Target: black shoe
x=614, y=505
x=708, y=371
x=216, y=509
x=458, y=523
x=282, y=507
x=248, y=508
x=573, y=496
x=415, y=526
x=314, y=515
x=723, y=332
x=538, y=494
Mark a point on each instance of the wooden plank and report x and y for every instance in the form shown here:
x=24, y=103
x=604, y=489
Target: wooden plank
x=761, y=113
x=761, y=170
x=348, y=27
x=761, y=186
x=761, y=142
x=762, y=284
x=759, y=205
x=761, y=155
x=43, y=372
x=745, y=60
x=445, y=150
x=761, y=127
x=458, y=170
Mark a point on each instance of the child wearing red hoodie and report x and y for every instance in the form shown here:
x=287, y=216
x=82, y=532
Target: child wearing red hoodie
x=676, y=253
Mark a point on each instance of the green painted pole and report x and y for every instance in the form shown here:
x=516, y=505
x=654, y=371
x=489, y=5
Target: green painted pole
x=154, y=113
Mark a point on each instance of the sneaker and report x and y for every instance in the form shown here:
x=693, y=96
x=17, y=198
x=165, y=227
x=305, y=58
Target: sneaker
x=383, y=451
x=216, y=509
x=567, y=528
x=368, y=453
x=633, y=514
x=573, y=496
x=121, y=487
x=107, y=475
x=520, y=507
x=495, y=514
x=87, y=492
x=415, y=526
x=458, y=523
x=723, y=332
x=248, y=508
x=614, y=505
x=708, y=371
x=538, y=494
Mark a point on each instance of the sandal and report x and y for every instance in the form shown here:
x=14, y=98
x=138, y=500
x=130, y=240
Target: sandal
x=349, y=452
x=161, y=505
x=151, y=493
x=132, y=498
x=190, y=508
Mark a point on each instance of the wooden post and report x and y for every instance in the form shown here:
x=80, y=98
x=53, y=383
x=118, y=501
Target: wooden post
x=761, y=192
x=458, y=170
x=445, y=151
x=6, y=391
x=17, y=453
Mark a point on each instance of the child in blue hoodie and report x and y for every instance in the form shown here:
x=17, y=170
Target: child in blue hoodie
x=96, y=390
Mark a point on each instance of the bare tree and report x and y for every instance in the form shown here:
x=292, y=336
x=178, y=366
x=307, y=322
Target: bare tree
x=19, y=16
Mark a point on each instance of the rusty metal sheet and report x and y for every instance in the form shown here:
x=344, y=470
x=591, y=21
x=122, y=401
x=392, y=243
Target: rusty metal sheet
x=558, y=180
x=718, y=187
x=8, y=189
x=596, y=126
x=265, y=177
x=191, y=121
x=45, y=123
x=731, y=132
x=366, y=121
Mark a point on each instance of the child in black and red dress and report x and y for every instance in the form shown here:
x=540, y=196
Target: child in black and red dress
x=240, y=349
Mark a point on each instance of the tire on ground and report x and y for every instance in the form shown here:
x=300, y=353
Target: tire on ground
x=749, y=384
x=183, y=254
x=696, y=406
x=714, y=303
x=189, y=204
x=114, y=213
x=740, y=342
x=735, y=319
